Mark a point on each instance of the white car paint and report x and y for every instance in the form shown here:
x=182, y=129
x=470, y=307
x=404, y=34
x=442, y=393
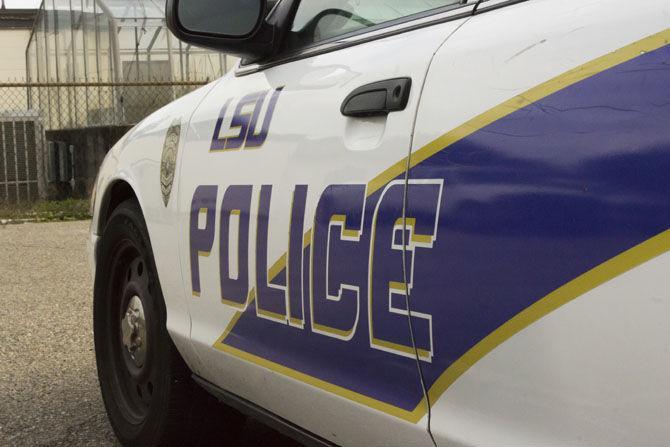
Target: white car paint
x=578, y=376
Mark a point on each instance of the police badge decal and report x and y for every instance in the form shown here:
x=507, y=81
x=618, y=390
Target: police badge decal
x=169, y=159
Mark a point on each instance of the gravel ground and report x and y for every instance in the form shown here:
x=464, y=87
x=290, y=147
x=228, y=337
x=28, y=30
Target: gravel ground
x=49, y=393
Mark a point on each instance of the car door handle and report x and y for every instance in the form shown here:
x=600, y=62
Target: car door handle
x=378, y=99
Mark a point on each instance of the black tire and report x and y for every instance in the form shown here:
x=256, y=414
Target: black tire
x=157, y=402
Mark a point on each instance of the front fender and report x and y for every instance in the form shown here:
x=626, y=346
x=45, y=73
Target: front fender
x=132, y=168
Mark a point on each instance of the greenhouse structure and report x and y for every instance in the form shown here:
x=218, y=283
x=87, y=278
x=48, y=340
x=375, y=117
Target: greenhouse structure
x=112, y=62
x=94, y=68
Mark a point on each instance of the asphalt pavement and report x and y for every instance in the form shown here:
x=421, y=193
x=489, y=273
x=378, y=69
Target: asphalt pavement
x=49, y=393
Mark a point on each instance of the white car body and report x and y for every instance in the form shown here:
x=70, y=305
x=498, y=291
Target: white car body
x=539, y=286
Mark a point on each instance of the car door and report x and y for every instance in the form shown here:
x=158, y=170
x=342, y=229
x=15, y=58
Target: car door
x=291, y=223
x=546, y=123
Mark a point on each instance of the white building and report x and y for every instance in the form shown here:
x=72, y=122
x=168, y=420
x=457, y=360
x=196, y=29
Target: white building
x=15, y=27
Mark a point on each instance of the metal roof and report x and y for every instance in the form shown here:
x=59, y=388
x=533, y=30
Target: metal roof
x=134, y=9
x=17, y=18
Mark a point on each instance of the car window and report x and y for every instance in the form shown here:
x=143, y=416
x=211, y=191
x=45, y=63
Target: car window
x=318, y=20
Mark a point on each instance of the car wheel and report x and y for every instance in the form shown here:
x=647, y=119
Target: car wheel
x=147, y=389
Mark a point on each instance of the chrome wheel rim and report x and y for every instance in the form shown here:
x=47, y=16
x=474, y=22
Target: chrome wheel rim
x=134, y=331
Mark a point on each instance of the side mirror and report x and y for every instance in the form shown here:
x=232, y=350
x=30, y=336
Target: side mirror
x=236, y=27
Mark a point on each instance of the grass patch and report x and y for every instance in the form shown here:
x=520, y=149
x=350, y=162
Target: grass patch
x=46, y=211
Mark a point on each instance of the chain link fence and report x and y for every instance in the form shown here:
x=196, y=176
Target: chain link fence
x=53, y=136
x=81, y=105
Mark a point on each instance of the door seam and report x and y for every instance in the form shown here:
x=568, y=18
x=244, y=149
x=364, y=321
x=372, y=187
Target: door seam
x=404, y=233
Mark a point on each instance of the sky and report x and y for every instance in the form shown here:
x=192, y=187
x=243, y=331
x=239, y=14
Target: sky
x=22, y=3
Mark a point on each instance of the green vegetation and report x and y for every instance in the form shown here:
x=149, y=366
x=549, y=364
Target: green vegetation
x=46, y=211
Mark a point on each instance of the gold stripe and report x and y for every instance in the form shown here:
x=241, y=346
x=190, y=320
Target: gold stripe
x=307, y=239
x=232, y=303
x=398, y=286
x=423, y=353
x=277, y=267
x=332, y=330
x=599, y=275
x=273, y=315
x=296, y=321
x=535, y=94
x=321, y=384
x=385, y=177
x=235, y=319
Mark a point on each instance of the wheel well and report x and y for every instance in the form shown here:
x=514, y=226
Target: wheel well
x=116, y=194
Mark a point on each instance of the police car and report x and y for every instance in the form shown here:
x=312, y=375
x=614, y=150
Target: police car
x=397, y=223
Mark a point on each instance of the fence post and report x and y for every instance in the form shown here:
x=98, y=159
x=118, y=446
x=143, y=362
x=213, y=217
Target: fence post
x=4, y=157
